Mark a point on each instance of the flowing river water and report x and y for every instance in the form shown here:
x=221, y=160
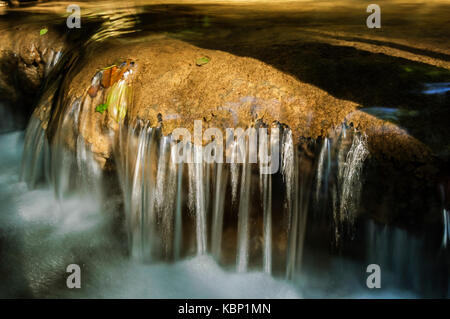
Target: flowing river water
x=153, y=228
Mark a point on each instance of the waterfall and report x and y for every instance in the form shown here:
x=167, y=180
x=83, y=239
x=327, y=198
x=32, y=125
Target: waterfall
x=445, y=216
x=323, y=169
x=166, y=191
x=35, y=149
x=178, y=216
x=200, y=213
x=350, y=178
x=161, y=174
x=152, y=187
x=290, y=179
x=219, y=201
x=267, y=222
x=53, y=162
x=53, y=59
x=293, y=214
x=265, y=187
x=243, y=219
x=300, y=181
x=234, y=167
x=287, y=169
x=339, y=177
x=446, y=225
x=157, y=206
x=197, y=197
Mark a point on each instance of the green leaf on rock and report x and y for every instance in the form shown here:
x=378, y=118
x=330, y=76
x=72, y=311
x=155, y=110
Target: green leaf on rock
x=101, y=108
x=43, y=31
x=202, y=61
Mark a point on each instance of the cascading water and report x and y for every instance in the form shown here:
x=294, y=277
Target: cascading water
x=243, y=216
x=446, y=226
x=208, y=183
x=153, y=185
x=143, y=224
x=221, y=178
x=339, y=177
x=175, y=210
x=350, y=179
x=51, y=162
x=162, y=197
x=445, y=218
x=265, y=187
x=323, y=169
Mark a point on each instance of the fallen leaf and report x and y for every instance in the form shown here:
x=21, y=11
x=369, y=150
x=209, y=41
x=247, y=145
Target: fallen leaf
x=101, y=108
x=202, y=61
x=43, y=31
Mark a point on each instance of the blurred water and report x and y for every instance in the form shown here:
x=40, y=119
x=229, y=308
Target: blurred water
x=436, y=88
x=42, y=235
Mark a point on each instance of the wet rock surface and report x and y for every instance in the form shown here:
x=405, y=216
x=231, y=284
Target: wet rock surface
x=26, y=59
x=170, y=90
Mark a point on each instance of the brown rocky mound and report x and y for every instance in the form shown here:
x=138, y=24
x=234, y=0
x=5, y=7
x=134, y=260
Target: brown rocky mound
x=174, y=83
x=25, y=58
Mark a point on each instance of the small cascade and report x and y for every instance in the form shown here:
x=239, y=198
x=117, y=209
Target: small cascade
x=309, y=201
x=266, y=191
x=234, y=167
x=290, y=177
x=243, y=217
x=339, y=177
x=175, y=209
x=197, y=201
x=196, y=180
x=287, y=169
x=72, y=168
x=301, y=177
x=52, y=162
x=166, y=191
x=35, y=150
x=446, y=226
x=443, y=188
x=178, y=214
x=323, y=169
x=135, y=151
x=265, y=188
x=53, y=59
x=221, y=177
x=350, y=178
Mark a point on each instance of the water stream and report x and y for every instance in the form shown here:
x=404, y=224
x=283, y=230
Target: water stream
x=144, y=225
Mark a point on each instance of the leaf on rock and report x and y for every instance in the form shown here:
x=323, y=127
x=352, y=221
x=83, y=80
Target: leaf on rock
x=202, y=61
x=101, y=108
x=43, y=31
